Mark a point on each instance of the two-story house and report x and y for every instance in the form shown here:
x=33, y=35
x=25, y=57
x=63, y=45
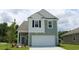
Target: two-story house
x=39, y=31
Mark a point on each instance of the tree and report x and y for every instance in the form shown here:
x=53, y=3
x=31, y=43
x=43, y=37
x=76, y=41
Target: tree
x=11, y=34
x=8, y=33
x=3, y=31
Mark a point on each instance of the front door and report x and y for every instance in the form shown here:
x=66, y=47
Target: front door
x=24, y=41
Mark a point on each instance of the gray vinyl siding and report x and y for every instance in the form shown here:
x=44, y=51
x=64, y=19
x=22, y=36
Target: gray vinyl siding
x=77, y=37
x=67, y=39
x=51, y=30
x=70, y=39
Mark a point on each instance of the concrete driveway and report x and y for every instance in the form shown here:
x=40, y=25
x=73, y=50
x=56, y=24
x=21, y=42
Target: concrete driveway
x=46, y=48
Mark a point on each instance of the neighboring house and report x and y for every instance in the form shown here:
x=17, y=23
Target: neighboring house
x=71, y=37
x=39, y=31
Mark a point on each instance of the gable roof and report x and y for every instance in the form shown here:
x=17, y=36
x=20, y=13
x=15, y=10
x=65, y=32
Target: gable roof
x=71, y=32
x=23, y=27
x=45, y=14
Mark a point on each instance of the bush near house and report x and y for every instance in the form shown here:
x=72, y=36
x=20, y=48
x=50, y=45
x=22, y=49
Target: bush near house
x=7, y=46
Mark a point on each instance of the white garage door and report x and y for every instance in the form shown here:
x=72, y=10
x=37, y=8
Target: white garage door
x=43, y=40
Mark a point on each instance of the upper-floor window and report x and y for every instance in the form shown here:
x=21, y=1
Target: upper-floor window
x=50, y=24
x=36, y=23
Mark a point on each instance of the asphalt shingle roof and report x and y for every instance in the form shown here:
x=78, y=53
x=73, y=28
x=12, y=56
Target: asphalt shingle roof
x=71, y=32
x=23, y=27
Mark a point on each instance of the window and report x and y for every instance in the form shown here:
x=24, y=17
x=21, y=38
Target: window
x=50, y=25
x=36, y=23
x=74, y=38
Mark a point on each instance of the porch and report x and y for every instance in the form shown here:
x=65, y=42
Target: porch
x=22, y=38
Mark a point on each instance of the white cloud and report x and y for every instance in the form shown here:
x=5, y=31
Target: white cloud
x=68, y=18
x=21, y=14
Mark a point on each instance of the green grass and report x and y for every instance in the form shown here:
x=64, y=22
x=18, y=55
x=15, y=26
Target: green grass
x=70, y=46
x=8, y=47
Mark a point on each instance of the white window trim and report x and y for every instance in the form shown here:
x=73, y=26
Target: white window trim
x=48, y=24
x=38, y=24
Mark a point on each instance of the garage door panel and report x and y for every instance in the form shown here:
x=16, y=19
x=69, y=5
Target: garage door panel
x=43, y=40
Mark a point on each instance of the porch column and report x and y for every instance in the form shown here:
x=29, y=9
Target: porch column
x=28, y=39
x=18, y=38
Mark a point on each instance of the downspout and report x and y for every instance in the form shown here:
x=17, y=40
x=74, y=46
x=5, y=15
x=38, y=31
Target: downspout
x=57, y=37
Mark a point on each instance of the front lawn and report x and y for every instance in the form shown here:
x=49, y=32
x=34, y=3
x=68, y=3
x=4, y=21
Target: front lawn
x=8, y=47
x=70, y=46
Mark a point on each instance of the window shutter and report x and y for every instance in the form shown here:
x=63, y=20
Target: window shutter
x=39, y=23
x=32, y=23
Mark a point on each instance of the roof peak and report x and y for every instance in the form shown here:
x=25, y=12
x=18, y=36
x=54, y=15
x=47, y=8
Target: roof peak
x=43, y=9
x=44, y=13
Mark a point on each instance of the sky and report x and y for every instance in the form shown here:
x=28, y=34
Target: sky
x=68, y=18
